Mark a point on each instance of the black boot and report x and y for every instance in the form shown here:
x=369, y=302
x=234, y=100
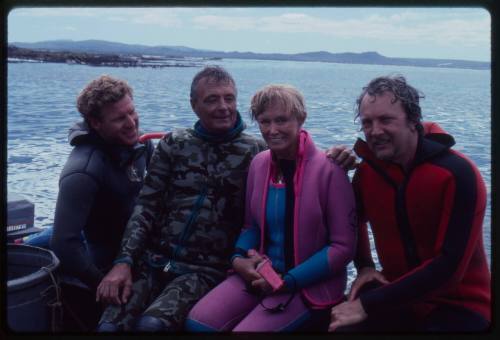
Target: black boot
x=148, y=323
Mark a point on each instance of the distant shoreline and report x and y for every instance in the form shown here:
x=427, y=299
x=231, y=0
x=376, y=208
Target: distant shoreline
x=24, y=55
x=105, y=53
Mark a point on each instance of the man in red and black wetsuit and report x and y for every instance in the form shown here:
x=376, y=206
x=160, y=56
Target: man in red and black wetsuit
x=425, y=204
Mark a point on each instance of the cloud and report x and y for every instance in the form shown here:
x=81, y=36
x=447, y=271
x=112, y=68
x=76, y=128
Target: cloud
x=56, y=12
x=406, y=26
x=162, y=18
x=117, y=19
x=223, y=23
x=434, y=26
x=152, y=16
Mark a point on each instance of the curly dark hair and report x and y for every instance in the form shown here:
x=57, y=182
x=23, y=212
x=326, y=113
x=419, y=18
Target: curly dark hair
x=99, y=92
x=397, y=85
x=212, y=72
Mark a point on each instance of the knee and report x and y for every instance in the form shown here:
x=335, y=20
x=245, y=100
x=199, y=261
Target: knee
x=107, y=327
x=193, y=325
x=148, y=323
x=198, y=320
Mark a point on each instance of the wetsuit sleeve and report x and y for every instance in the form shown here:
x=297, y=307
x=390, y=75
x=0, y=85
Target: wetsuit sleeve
x=248, y=239
x=76, y=196
x=149, y=203
x=459, y=232
x=250, y=234
x=340, y=219
x=363, y=257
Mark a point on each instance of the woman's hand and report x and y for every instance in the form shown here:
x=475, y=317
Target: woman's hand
x=262, y=285
x=245, y=267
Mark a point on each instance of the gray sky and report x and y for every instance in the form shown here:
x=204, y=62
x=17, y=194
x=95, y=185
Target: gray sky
x=444, y=33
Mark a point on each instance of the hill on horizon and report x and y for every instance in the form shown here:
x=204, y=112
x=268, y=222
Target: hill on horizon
x=369, y=57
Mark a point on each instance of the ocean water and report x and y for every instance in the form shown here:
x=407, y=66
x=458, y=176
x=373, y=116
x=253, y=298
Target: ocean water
x=41, y=108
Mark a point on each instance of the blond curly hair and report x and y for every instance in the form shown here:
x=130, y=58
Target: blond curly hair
x=99, y=92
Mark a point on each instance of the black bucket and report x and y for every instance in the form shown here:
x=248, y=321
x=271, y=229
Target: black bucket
x=33, y=298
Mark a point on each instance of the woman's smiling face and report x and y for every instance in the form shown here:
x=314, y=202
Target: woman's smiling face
x=280, y=130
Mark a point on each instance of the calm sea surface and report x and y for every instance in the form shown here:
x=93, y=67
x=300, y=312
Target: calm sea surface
x=41, y=108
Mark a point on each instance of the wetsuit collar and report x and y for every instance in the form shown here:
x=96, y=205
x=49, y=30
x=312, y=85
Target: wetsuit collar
x=428, y=146
x=432, y=145
x=201, y=132
x=81, y=133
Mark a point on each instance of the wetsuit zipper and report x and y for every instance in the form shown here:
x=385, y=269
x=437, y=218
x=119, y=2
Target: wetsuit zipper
x=402, y=219
x=276, y=210
x=188, y=227
x=404, y=226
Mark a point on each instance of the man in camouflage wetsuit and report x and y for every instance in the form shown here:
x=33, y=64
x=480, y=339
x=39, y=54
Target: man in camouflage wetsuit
x=178, y=241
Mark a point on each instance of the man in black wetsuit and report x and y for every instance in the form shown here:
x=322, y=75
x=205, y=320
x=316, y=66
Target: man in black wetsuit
x=100, y=182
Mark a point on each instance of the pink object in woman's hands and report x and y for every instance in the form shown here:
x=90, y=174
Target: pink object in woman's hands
x=265, y=269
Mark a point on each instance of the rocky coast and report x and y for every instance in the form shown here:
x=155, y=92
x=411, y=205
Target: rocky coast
x=16, y=54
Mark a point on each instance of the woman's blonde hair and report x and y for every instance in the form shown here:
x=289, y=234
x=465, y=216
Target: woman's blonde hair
x=287, y=96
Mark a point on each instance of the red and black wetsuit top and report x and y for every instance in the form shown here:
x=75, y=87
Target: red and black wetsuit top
x=427, y=226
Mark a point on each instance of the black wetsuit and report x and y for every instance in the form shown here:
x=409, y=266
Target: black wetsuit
x=98, y=188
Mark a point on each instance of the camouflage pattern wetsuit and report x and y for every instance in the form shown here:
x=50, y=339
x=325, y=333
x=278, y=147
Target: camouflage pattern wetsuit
x=184, y=226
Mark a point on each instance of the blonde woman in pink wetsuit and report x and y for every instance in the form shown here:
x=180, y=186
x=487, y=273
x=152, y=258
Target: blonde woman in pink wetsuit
x=300, y=216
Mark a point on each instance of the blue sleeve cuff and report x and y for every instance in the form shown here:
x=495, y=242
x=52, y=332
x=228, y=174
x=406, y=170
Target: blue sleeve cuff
x=235, y=256
x=125, y=259
x=290, y=282
x=249, y=238
x=313, y=270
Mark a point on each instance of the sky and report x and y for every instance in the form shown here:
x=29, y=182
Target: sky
x=438, y=33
